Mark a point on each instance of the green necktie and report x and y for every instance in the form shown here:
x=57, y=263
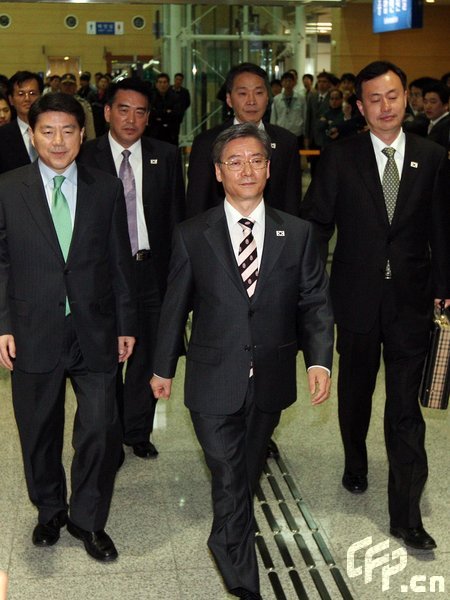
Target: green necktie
x=61, y=220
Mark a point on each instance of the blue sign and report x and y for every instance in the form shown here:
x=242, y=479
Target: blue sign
x=105, y=28
x=392, y=15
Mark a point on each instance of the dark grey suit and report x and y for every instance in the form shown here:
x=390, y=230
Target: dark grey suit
x=13, y=152
x=371, y=311
x=164, y=206
x=233, y=415
x=34, y=282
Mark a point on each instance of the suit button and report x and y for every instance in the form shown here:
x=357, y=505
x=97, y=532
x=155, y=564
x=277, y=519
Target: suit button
x=251, y=313
x=247, y=348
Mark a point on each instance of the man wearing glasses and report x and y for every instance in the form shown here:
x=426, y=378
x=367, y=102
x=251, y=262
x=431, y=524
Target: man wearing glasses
x=16, y=149
x=254, y=280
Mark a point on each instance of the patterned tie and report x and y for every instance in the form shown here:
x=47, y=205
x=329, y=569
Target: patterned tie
x=248, y=257
x=61, y=220
x=390, y=184
x=129, y=185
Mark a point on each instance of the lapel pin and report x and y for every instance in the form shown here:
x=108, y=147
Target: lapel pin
x=273, y=145
x=280, y=233
x=153, y=161
x=414, y=165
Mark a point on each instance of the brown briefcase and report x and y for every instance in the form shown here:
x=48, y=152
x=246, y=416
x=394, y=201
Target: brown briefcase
x=435, y=386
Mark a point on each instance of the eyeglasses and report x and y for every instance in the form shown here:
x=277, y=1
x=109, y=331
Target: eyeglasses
x=237, y=164
x=22, y=94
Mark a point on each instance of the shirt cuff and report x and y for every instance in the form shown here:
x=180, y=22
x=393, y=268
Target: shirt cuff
x=320, y=367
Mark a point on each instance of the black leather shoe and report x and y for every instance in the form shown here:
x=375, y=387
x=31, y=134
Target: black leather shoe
x=355, y=484
x=145, y=450
x=98, y=544
x=272, y=450
x=414, y=537
x=48, y=534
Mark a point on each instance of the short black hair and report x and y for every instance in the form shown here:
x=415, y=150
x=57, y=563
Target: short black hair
x=348, y=77
x=308, y=76
x=133, y=84
x=236, y=132
x=57, y=102
x=374, y=70
x=445, y=78
x=288, y=75
x=438, y=88
x=245, y=68
x=178, y=75
x=421, y=82
x=21, y=76
x=163, y=76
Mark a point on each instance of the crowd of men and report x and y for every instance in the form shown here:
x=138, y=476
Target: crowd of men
x=99, y=267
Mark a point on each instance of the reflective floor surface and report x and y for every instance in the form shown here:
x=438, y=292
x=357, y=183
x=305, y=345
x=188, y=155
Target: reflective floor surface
x=315, y=540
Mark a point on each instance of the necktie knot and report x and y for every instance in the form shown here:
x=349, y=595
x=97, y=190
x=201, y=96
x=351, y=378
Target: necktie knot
x=389, y=152
x=246, y=224
x=58, y=180
x=126, y=154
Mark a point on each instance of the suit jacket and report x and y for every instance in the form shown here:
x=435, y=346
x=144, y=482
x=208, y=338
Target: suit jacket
x=162, y=192
x=314, y=110
x=283, y=189
x=440, y=133
x=13, y=152
x=230, y=331
x=347, y=193
x=35, y=279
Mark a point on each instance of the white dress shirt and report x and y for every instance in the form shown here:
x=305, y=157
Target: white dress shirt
x=398, y=144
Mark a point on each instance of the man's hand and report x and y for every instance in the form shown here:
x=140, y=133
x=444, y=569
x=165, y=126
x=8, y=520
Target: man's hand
x=7, y=351
x=319, y=384
x=437, y=302
x=126, y=345
x=161, y=387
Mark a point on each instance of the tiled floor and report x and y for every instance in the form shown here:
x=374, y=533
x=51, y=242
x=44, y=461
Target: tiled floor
x=160, y=517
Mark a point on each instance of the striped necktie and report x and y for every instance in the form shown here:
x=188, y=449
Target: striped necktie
x=248, y=257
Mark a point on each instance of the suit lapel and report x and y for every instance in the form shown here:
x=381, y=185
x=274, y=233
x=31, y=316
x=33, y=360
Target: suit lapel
x=36, y=200
x=84, y=203
x=104, y=157
x=367, y=168
x=274, y=242
x=412, y=164
x=218, y=238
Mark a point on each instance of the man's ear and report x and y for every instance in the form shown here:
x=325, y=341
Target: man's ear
x=218, y=172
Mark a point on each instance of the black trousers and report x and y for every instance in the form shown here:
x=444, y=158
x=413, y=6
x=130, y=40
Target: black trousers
x=134, y=395
x=235, y=448
x=38, y=400
x=403, y=336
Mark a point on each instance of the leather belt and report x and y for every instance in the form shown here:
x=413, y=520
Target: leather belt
x=142, y=255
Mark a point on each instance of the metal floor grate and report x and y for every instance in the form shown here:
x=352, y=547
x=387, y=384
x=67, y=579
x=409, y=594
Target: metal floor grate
x=298, y=562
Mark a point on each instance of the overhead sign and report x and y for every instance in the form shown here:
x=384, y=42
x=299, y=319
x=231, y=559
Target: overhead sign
x=105, y=27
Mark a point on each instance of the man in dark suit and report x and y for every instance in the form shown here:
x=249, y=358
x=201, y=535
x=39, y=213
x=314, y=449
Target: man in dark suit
x=16, y=149
x=248, y=318
x=435, y=100
x=248, y=92
x=391, y=210
x=316, y=106
x=66, y=310
x=159, y=204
